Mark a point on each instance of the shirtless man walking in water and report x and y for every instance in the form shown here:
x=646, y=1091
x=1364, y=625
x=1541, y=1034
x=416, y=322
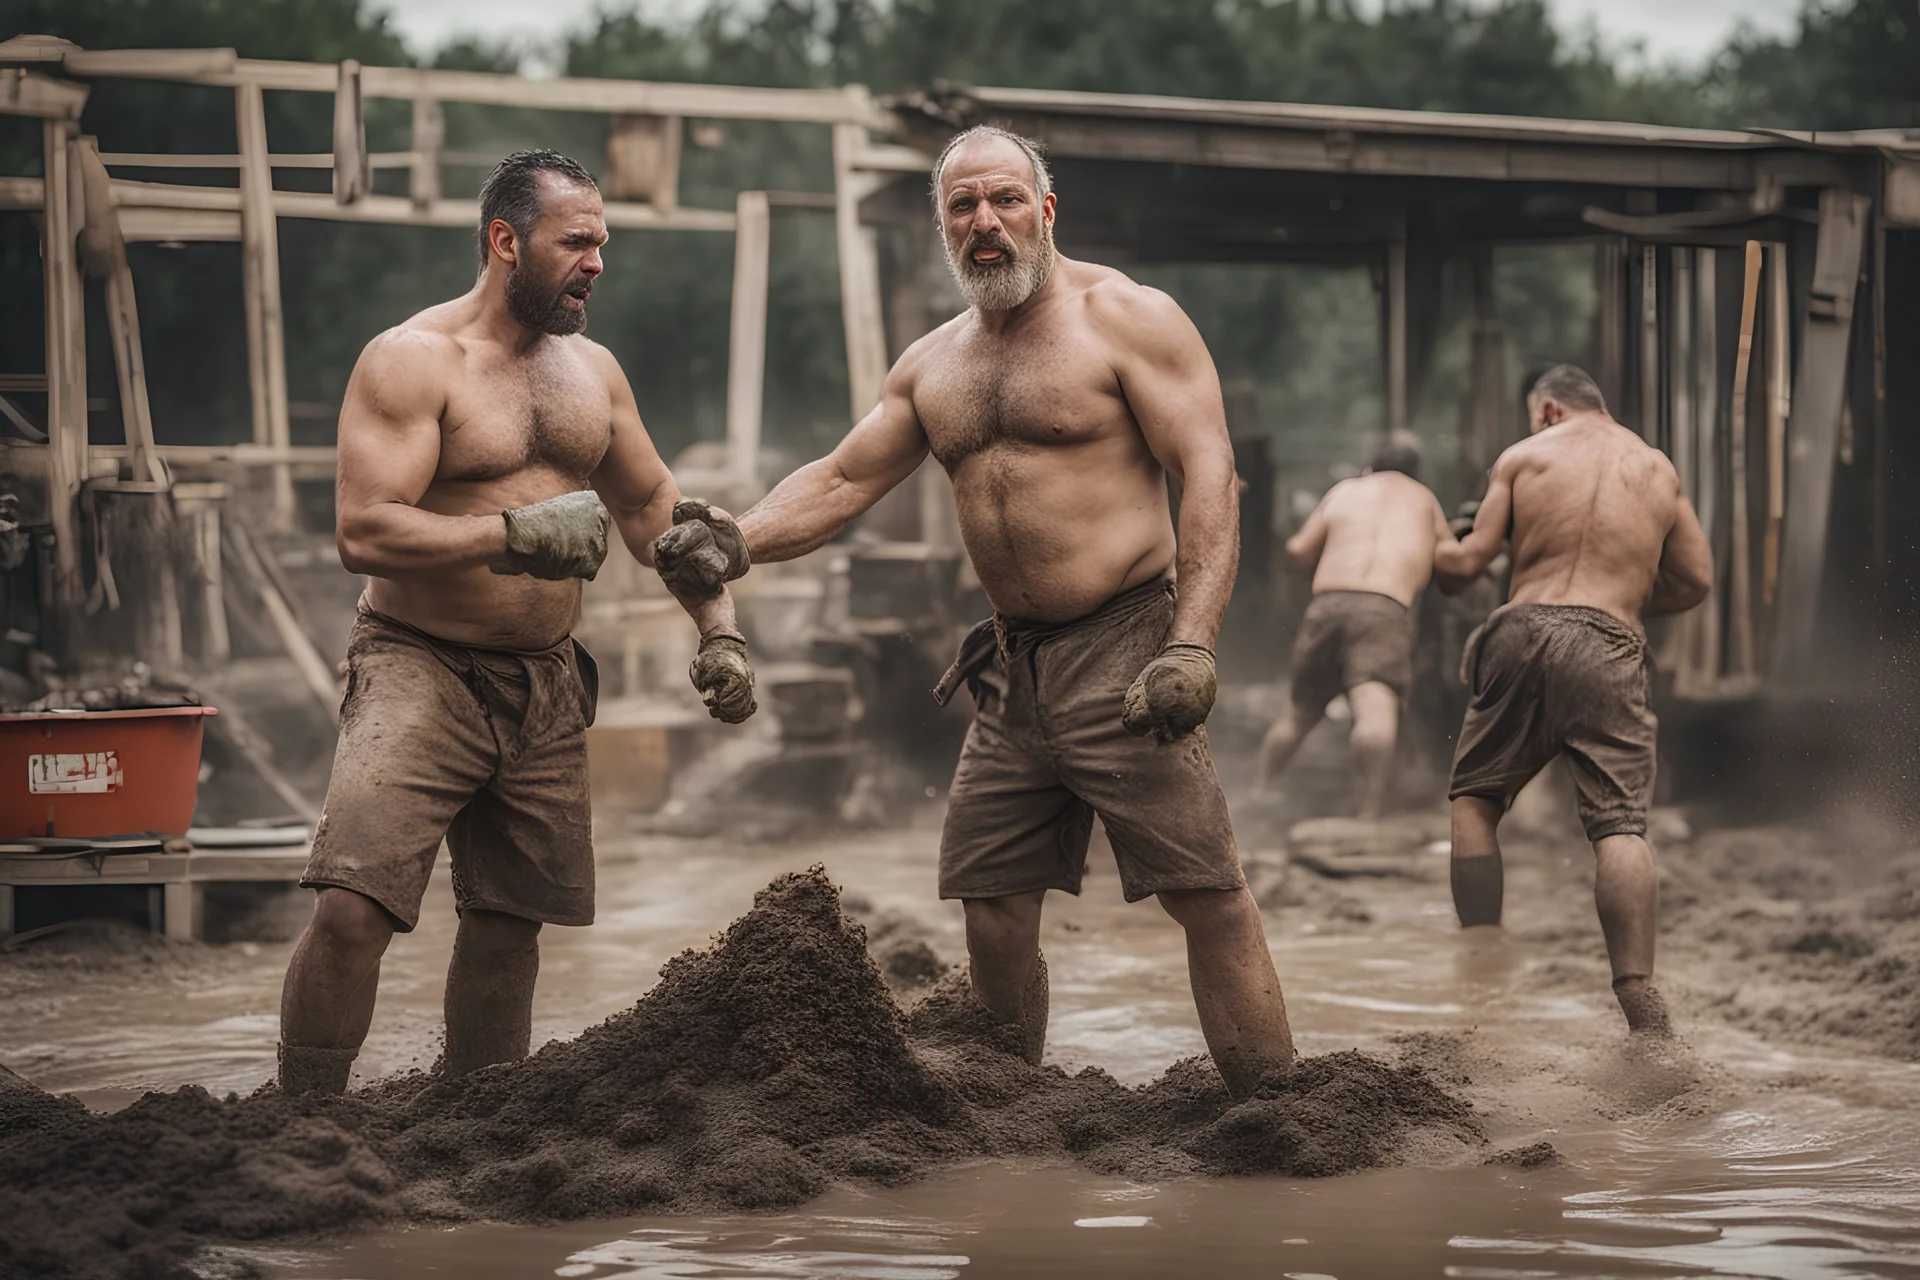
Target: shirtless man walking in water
x=478, y=441
x=1603, y=537
x=1059, y=403
x=1372, y=541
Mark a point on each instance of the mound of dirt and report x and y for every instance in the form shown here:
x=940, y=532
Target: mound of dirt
x=755, y=1074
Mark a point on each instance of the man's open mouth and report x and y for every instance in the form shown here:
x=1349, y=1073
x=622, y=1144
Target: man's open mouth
x=988, y=253
x=581, y=293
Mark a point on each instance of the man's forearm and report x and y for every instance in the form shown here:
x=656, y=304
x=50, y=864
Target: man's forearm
x=714, y=611
x=1209, y=556
x=392, y=538
x=803, y=512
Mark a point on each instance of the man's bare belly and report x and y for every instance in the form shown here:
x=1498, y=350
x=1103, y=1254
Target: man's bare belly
x=478, y=606
x=1051, y=545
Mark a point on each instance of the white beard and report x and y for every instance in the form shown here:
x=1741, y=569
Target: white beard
x=1008, y=283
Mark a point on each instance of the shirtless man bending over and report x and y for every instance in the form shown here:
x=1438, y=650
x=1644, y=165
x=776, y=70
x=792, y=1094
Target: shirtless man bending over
x=478, y=441
x=1373, y=538
x=1059, y=403
x=1603, y=537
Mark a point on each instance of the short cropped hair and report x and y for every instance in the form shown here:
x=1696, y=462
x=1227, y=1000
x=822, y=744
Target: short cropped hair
x=511, y=192
x=1396, y=451
x=1569, y=384
x=1042, y=178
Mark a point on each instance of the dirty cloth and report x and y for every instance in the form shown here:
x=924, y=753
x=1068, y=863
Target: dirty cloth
x=1350, y=638
x=484, y=747
x=1047, y=751
x=1551, y=678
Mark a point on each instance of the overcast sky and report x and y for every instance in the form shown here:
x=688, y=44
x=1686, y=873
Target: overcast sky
x=1666, y=29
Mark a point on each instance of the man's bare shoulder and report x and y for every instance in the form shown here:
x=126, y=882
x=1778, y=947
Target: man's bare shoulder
x=1117, y=301
x=929, y=347
x=423, y=339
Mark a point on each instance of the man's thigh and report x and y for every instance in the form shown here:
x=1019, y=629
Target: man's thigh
x=1164, y=812
x=1505, y=737
x=524, y=845
x=414, y=749
x=1011, y=826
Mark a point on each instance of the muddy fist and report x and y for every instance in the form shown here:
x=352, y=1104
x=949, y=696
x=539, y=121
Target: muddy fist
x=703, y=551
x=1174, y=695
x=563, y=537
x=721, y=674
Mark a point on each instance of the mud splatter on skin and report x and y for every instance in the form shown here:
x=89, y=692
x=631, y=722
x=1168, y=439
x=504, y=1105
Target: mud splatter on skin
x=754, y=1075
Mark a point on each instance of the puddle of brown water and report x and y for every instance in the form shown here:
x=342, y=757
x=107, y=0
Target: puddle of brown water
x=1794, y=1165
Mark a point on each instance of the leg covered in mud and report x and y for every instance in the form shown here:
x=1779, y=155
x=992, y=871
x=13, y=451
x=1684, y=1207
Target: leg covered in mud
x=326, y=1004
x=1479, y=881
x=1626, y=890
x=1235, y=988
x=489, y=1002
x=1009, y=973
x=1376, y=731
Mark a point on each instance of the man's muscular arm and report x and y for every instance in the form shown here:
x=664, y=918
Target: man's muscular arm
x=1456, y=565
x=1170, y=384
x=1305, y=546
x=389, y=450
x=817, y=501
x=639, y=491
x=1686, y=562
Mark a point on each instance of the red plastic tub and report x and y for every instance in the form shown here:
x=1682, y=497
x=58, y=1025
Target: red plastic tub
x=99, y=773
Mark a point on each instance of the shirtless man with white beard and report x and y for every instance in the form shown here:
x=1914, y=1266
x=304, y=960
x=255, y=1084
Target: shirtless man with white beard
x=1059, y=403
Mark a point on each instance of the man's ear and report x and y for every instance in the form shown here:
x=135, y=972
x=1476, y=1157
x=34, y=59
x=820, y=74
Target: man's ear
x=1048, y=206
x=502, y=242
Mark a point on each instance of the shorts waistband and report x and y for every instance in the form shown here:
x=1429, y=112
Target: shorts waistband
x=1581, y=614
x=1353, y=591
x=387, y=621
x=1017, y=635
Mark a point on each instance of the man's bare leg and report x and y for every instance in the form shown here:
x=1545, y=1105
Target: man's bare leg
x=1376, y=728
x=1283, y=741
x=1009, y=974
x=1478, y=882
x=489, y=1002
x=1235, y=989
x=1626, y=889
x=326, y=1004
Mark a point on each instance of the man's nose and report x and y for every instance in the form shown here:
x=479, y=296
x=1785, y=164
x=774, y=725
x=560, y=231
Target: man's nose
x=985, y=219
x=591, y=265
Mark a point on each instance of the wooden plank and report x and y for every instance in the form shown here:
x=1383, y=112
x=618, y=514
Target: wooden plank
x=151, y=64
x=26, y=93
x=1779, y=404
x=352, y=171
x=1741, y=661
x=242, y=455
x=859, y=254
x=66, y=358
x=1649, y=344
x=747, y=340
x=1396, y=334
x=266, y=326
x=279, y=160
x=1813, y=431
x=424, y=186
x=184, y=911
x=179, y=226
x=643, y=160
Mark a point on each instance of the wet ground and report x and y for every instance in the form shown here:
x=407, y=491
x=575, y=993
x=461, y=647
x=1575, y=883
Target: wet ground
x=1785, y=1143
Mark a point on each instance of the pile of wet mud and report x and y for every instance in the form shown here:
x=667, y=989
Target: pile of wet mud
x=754, y=1075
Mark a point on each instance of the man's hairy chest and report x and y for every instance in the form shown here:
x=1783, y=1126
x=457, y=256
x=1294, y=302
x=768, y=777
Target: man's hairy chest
x=552, y=413
x=1029, y=391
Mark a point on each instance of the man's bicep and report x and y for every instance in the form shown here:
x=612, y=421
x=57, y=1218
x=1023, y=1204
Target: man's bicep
x=885, y=446
x=631, y=474
x=389, y=439
x=1167, y=375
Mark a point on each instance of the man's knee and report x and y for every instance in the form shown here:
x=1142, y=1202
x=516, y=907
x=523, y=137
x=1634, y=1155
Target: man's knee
x=498, y=931
x=1004, y=922
x=1207, y=908
x=351, y=921
x=1376, y=716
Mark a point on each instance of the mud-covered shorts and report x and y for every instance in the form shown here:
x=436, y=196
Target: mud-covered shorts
x=1548, y=679
x=486, y=748
x=1351, y=638
x=1047, y=751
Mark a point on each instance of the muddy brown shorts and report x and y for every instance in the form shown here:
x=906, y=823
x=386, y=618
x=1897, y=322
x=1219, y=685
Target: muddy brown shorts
x=1350, y=638
x=1047, y=751
x=1548, y=679
x=486, y=748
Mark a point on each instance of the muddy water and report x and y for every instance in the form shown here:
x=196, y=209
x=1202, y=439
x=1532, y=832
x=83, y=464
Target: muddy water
x=1753, y=1159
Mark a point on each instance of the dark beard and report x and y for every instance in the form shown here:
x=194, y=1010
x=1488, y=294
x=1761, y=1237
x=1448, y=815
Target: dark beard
x=541, y=310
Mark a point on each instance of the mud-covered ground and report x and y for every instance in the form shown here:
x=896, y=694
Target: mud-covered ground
x=775, y=1068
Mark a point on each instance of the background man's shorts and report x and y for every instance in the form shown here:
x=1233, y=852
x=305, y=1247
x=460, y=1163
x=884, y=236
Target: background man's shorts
x=1549, y=678
x=484, y=747
x=1047, y=751
x=1349, y=638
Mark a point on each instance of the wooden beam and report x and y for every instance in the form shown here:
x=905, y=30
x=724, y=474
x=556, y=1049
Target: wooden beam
x=747, y=341
x=266, y=334
x=66, y=358
x=1395, y=296
x=1649, y=344
x=279, y=160
x=152, y=64
x=104, y=254
x=859, y=253
x=352, y=173
x=24, y=93
x=239, y=455
x=424, y=186
x=643, y=160
x=1741, y=659
x=1779, y=404
x=1813, y=432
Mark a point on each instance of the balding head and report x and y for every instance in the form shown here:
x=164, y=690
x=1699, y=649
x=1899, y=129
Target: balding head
x=1562, y=392
x=993, y=199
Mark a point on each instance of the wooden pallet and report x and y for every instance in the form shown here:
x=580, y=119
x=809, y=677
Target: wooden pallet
x=180, y=879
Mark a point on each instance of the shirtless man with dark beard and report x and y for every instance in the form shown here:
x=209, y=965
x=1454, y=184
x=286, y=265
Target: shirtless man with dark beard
x=485, y=446
x=1602, y=538
x=1059, y=403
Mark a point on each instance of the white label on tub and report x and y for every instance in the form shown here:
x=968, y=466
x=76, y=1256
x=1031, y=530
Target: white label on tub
x=92, y=771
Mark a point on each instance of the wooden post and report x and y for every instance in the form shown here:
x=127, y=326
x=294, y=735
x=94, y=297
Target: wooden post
x=429, y=136
x=66, y=358
x=266, y=332
x=103, y=252
x=1609, y=339
x=859, y=253
x=747, y=343
x=643, y=160
x=1397, y=334
x=1779, y=403
x=1813, y=432
x=199, y=506
x=352, y=166
x=1740, y=649
x=1704, y=374
x=1649, y=344
x=1680, y=384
